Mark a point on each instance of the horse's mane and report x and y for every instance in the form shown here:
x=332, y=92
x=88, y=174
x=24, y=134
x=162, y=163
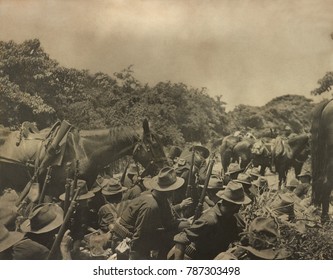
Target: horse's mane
x=318, y=142
x=111, y=135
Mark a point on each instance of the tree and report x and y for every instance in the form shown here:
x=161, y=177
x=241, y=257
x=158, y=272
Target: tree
x=325, y=83
x=21, y=67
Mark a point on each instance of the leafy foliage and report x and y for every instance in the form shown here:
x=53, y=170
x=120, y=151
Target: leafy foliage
x=34, y=87
x=325, y=84
x=292, y=110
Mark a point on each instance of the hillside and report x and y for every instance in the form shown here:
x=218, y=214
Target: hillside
x=292, y=110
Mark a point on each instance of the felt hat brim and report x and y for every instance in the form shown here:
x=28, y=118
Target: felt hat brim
x=12, y=238
x=57, y=222
x=213, y=187
x=96, y=189
x=152, y=183
x=205, y=151
x=245, y=201
x=234, y=171
x=268, y=254
x=243, y=182
x=105, y=192
x=87, y=195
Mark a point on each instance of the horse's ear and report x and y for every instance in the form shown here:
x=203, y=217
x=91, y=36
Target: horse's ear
x=145, y=126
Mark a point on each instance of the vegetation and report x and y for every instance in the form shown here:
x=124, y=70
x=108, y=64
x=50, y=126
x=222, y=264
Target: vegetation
x=34, y=87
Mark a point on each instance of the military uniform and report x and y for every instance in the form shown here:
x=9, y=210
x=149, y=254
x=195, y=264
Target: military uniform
x=209, y=235
x=140, y=221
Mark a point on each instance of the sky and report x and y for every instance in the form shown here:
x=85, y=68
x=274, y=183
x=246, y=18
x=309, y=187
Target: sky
x=248, y=51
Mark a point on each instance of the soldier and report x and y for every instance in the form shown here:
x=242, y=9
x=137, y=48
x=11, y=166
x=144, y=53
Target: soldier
x=189, y=189
x=214, y=185
x=259, y=186
x=232, y=173
x=292, y=185
x=43, y=224
x=14, y=246
x=113, y=207
x=143, y=219
x=80, y=221
x=283, y=207
x=261, y=243
x=134, y=183
x=304, y=187
x=254, y=173
x=215, y=229
x=245, y=180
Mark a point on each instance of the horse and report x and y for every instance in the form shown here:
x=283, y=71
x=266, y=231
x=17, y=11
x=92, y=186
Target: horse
x=322, y=156
x=245, y=151
x=226, y=150
x=294, y=152
x=91, y=149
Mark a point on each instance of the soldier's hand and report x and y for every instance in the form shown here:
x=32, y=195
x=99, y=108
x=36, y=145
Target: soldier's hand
x=66, y=242
x=183, y=225
x=186, y=202
x=65, y=246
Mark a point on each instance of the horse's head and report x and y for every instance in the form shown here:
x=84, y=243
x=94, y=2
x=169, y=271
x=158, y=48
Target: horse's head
x=148, y=151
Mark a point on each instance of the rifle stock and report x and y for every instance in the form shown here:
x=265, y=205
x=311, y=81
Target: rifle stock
x=199, y=208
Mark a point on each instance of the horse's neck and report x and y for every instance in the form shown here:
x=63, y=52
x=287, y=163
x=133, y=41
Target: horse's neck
x=102, y=151
x=298, y=146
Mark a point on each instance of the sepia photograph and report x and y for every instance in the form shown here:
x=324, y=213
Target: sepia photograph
x=166, y=130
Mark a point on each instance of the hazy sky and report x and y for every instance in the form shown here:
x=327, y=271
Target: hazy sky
x=249, y=51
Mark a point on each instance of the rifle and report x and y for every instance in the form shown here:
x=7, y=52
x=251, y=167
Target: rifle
x=189, y=178
x=69, y=188
x=248, y=166
x=46, y=182
x=198, y=209
x=20, y=201
x=123, y=176
x=63, y=228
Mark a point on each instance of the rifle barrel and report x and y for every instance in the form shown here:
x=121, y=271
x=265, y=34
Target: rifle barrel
x=199, y=207
x=63, y=228
x=190, y=175
x=46, y=181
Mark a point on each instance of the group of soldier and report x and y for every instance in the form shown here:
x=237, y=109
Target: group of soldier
x=187, y=211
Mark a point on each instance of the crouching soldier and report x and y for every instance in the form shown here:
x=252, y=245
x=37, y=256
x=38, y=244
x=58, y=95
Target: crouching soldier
x=261, y=243
x=215, y=229
x=148, y=218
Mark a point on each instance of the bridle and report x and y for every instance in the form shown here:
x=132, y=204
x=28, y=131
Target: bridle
x=147, y=146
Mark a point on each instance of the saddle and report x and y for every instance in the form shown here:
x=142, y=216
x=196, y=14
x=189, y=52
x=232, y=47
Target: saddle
x=281, y=148
x=258, y=148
